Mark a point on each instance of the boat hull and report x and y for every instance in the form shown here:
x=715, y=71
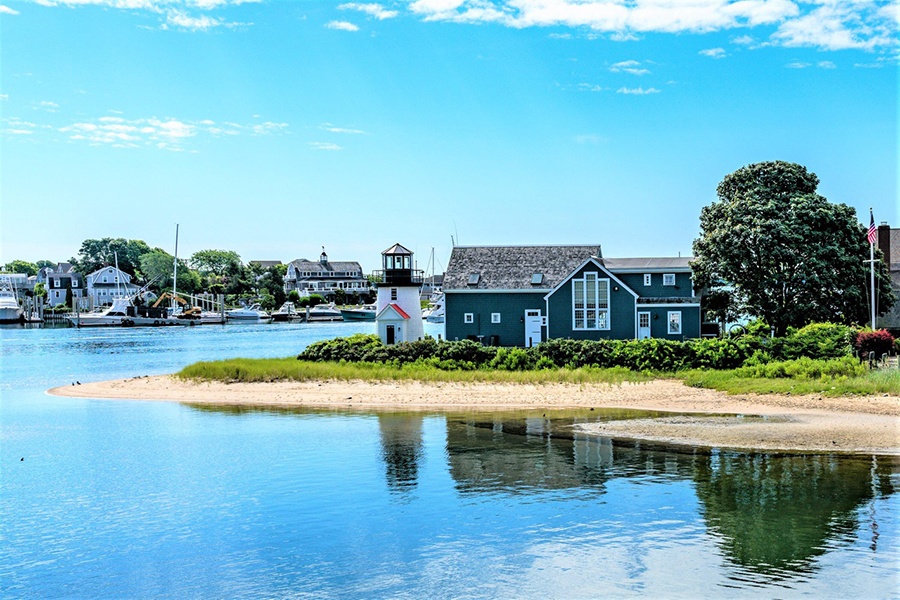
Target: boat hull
x=358, y=315
x=10, y=315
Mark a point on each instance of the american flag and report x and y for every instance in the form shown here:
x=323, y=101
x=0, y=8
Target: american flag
x=873, y=231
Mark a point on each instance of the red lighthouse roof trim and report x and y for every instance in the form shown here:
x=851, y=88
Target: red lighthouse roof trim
x=399, y=310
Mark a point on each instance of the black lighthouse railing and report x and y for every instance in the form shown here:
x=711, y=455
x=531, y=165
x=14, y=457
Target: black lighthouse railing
x=398, y=277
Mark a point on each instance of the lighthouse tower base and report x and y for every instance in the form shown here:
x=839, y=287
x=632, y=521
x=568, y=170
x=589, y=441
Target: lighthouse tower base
x=399, y=315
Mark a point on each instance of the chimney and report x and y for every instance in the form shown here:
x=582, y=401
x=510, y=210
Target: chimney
x=884, y=243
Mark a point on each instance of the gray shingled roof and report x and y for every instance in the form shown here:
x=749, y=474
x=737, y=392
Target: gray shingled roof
x=317, y=267
x=647, y=264
x=511, y=267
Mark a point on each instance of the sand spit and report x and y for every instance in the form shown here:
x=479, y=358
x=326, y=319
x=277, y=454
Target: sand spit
x=868, y=425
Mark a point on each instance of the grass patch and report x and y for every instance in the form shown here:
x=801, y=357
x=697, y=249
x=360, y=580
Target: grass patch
x=839, y=377
x=246, y=370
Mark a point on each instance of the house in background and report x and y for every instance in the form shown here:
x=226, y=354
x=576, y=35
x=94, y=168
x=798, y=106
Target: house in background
x=522, y=295
x=107, y=283
x=59, y=280
x=889, y=244
x=325, y=277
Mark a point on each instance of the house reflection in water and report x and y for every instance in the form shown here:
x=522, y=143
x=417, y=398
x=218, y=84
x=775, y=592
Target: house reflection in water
x=401, y=449
x=771, y=515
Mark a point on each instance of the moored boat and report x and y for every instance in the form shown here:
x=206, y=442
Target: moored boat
x=252, y=313
x=324, y=312
x=287, y=312
x=362, y=313
x=10, y=311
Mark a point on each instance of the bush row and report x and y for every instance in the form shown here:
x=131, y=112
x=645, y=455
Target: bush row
x=817, y=341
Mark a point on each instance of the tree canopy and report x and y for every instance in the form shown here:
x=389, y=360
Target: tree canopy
x=160, y=265
x=21, y=266
x=95, y=254
x=783, y=252
x=214, y=262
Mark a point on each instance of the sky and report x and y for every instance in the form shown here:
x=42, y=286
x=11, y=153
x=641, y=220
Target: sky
x=279, y=127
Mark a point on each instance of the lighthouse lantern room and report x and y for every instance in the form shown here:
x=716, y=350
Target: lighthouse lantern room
x=398, y=313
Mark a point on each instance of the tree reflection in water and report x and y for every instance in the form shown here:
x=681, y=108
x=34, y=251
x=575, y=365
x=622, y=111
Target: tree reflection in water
x=772, y=514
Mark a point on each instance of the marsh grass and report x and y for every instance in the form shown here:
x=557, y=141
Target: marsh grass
x=826, y=378
x=290, y=369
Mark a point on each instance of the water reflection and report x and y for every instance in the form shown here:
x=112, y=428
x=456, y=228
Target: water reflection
x=778, y=513
x=772, y=516
x=401, y=449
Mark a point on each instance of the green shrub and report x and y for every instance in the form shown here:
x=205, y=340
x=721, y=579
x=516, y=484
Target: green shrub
x=819, y=340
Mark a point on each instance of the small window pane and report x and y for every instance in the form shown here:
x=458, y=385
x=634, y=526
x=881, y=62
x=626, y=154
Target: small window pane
x=495, y=317
x=469, y=317
x=669, y=279
x=647, y=279
x=473, y=278
x=537, y=278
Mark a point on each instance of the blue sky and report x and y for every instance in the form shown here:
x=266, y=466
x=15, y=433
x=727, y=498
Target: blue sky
x=274, y=128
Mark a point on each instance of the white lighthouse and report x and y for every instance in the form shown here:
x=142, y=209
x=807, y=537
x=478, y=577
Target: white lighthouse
x=398, y=315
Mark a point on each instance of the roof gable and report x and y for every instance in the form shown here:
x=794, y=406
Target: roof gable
x=512, y=267
x=395, y=308
x=599, y=264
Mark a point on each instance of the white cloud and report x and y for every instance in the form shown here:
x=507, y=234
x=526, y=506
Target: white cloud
x=797, y=65
x=714, y=52
x=629, y=66
x=826, y=64
x=166, y=133
x=854, y=24
x=744, y=40
x=5, y=10
x=342, y=26
x=325, y=146
x=373, y=10
x=333, y=129
x=590, y=87
x=638, y=91
x=4, y=97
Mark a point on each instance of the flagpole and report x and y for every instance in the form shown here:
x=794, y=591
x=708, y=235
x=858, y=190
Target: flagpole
x=872, y=263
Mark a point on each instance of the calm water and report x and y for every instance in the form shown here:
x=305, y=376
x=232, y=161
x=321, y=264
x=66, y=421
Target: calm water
x=140, y=500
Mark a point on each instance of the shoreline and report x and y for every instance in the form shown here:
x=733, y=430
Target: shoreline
x=860, y=425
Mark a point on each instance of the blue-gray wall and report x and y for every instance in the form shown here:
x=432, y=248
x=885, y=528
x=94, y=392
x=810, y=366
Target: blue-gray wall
x=659, y=324
x=621, y=309
x=511, y=306
x=683, y=285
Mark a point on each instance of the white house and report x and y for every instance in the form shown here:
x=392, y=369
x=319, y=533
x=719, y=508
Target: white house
x=107, y=283
x=325, y=277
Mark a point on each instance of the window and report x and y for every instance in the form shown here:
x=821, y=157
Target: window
x=590, y=302
x=647, y=278
x=473, y=279
x=105, y=280
x=469, y=318
x=393, y=293
x=495, y=317
x=537, y=278
x=669, y=279
x=674, y=322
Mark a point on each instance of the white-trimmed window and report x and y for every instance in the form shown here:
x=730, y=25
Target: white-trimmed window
x=674, y=321
x=469, y=317
x=495, y=317
x=648, y=279
x=590, y=302
x=668, y=278
x=393, y=293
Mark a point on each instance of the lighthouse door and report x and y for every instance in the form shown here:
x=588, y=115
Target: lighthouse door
x=533, y=322
x=391, y=337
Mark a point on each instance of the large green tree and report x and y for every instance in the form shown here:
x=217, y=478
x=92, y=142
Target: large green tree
x=214, y=262
x=95, y=254
x=21, y=266
x=783, y=252
x=160, y=265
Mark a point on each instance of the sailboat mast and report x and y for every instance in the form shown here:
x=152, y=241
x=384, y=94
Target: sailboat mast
x=175, y=274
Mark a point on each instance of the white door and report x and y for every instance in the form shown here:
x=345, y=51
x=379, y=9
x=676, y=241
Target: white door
x=533, y=322
x=643, y=325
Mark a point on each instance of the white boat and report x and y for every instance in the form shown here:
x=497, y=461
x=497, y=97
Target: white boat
x=287, y=312
x=324, y=312
x=107, y=317
x=253, y=313
x=10, y=311
x=362, y=313
x=435, y=312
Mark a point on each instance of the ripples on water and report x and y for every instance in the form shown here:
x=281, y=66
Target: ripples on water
x=140, y=500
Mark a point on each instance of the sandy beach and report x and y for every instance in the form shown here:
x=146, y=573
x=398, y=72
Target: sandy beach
x=868, y=425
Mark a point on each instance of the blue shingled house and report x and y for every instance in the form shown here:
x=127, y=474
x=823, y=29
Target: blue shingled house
x=522, y=295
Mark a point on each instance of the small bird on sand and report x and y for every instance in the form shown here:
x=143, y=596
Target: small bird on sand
x=78, y=382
